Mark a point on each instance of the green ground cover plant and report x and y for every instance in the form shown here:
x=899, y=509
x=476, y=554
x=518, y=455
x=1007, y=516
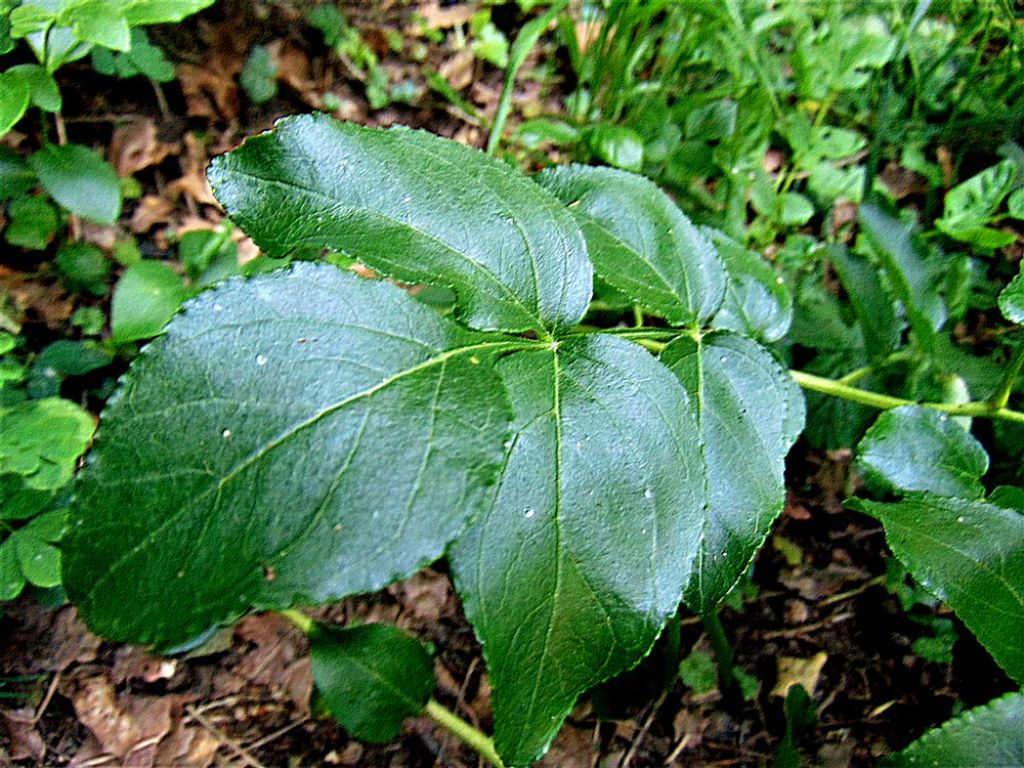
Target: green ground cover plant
x=581, y=480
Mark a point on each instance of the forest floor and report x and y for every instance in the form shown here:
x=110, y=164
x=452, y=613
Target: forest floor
x=817, y=610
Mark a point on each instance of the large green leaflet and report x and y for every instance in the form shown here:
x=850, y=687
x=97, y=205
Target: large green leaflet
x=749, y=413
x=641, y=243
x=971, y=555
x=569, y=577
x=416, y=207
x=303, y=436
x=992, y=735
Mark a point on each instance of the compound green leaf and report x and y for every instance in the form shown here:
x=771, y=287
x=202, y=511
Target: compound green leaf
x=570, y=575
x=970, y=554
x=641, y=243
x=416, y=207
x=42, y=439
x=371, y=677
x=919, y=449
x=146, y=297
x=748, y=416
x=79, y=180
x=300, y=436
x=992, y=735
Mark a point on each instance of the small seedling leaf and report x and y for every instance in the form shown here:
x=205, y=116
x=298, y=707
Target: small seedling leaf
x=371, y=677
x=145, y=299
x=80, y=181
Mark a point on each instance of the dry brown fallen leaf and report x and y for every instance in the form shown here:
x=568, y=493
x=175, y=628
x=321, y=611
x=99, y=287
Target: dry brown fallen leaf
x=136, y=145
x=23, y=740
x=127, y=727
x=193, y=183
x=795, y=671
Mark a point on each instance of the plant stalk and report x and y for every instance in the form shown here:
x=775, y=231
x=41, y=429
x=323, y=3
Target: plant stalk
x=469, y=735
x=722, y=648
x=1002, y=395
x=878, y=400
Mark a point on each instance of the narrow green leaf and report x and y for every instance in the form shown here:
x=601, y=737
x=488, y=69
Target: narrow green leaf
x=513, y=255
x=14, y=100
x=300, y=436
x=970, y=554
x=992, y=735
x=572, y=572
x=876, y=315
x=918, y=449
x=371, y=677
x=42, y=440
x=641, y=243
x=145, y=299
x=80, y=181
x=912, y=273
x=748, y=415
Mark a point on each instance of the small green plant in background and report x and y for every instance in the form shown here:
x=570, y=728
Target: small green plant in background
x=580, y=486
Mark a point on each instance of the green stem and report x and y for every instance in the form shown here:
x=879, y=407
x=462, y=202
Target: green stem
x=300, y=620
x=471, y=736
x=878, y=400
x=722, y=648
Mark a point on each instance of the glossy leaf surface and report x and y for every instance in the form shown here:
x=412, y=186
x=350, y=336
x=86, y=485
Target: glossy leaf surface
x=992, y=735
x=919, y=449
x=971, y=555
x=1011, y=300
x=748, y=415
x=757, y=300
x=569, y=577
x=416, y=207
x=641, y=243
x=371, y=677
x=146, y=297
x=251, y=459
